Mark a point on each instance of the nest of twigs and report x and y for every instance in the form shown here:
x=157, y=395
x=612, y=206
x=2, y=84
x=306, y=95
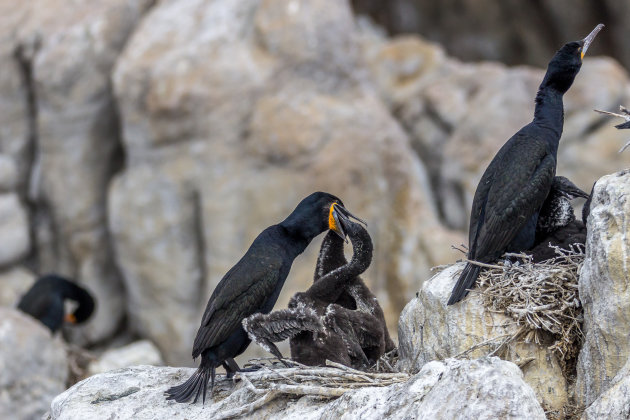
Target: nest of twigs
x=541, y=297
x=270, y=382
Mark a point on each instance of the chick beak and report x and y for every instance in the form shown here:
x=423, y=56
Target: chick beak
x=70, y=318
x=586, y=42
x=339, y=218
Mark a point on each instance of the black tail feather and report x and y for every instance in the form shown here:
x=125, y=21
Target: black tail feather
x=196, y=384
x=466, y=281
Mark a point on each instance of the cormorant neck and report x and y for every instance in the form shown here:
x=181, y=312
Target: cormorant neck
x=331, y=285
x=298, y=238
x=549, y=111
x=331, y=255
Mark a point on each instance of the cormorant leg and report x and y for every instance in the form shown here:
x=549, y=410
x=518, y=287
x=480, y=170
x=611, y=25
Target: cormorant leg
x=231, y=367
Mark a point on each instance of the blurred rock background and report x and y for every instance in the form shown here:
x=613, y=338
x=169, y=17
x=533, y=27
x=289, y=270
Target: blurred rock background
x=144, y=144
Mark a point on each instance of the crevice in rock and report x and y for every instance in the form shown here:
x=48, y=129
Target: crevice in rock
x=200, y=243
x=23, y=55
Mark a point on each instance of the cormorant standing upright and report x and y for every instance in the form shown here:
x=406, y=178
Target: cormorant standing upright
x=514, y=186
x=253, y=285
x=45, y=301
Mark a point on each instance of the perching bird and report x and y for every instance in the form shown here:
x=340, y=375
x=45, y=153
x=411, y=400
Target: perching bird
x=557, y=225
x=337, y=318
x=253, y=285
x=513, y=188
x=45, y=301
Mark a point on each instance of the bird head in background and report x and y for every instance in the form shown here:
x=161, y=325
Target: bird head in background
x=566, y=63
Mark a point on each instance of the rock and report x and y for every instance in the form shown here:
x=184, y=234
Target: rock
x=231, y=127
x=458, y=115
x=486, y=388
x=141, y=352
x=430, y=330
x=8, y=174
x=68, y=145
x=485, y=30
x=33, y=364
x=14, y=230
x=14, y=283
x=614, y=403
x=603, y=285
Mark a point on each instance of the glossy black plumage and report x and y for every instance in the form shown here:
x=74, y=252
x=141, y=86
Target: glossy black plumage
x=251, y=286
x=45, y=301
x=337, y=318
x=513, y=188
x=557, y=225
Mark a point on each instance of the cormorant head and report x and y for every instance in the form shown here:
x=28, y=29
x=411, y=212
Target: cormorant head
x=564, y=187
x=315, y=214
x=45, y=301
x=566, y=63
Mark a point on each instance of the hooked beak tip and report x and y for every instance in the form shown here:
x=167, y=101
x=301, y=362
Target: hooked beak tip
x=590, y=37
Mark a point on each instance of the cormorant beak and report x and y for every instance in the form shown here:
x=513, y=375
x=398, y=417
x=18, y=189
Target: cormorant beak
x=338, y=219
x=70, y=318
x=586, y=42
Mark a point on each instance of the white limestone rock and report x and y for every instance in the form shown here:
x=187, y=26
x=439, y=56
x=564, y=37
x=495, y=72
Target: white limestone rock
x=14, y=231
x=615, y=402
x=454, y=389
x=429, y=330
x=141, y=352
x=604, y=288
x=33, y=366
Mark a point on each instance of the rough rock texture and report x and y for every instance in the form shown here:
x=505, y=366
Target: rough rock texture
x=14, y=283
x=33, y=366
x=14, y=234
x=430, y=330
x=141, y=352
x=604, y=290
x=63, y=135
x=238, y=105
x=484, y=29
x=481, y=389
x=614, y=403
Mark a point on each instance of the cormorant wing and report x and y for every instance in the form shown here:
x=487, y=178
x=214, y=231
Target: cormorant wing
x=514, y=195
x=242, y=292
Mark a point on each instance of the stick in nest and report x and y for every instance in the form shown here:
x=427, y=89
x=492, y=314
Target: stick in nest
x=540, y=297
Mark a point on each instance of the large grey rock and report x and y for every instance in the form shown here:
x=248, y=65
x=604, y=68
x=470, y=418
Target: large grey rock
x=233, y=112
x=63, y=135
x=8, y=174
x=604, y=290
x=614, y=403
x=141, y=352
x=429, y=330
x=33, y=366
x=14, y=230
x=453, y=389
x=14, y=283
x=458, y=115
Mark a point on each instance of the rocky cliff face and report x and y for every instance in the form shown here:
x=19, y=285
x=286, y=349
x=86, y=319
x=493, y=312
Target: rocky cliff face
x=147, y=143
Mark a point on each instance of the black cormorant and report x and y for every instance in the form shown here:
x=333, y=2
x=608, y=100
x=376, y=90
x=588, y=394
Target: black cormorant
x=45, y=301
x=337, y=318
x=253, y=285
x=513, y=188
x=557, y=225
